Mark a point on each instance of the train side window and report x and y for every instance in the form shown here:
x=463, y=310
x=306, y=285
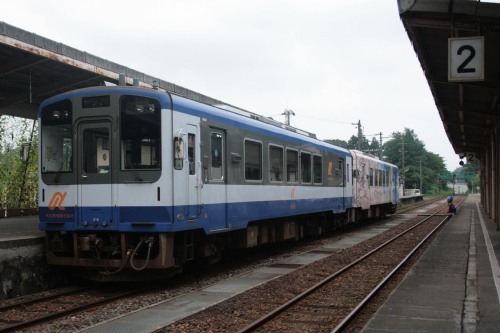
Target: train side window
x=253, y=160
x=371, y=179
x=305, y=167
x=191, y=154
x=341, y=173
x=348, y=174
x=217, y=156
x=292, y=165
x=275, y=163
x=178, y=153
x=317, y=169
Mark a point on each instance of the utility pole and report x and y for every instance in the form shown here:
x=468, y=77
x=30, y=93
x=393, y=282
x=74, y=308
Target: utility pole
x=380, y=146
x=360, y=134
x=287, y=113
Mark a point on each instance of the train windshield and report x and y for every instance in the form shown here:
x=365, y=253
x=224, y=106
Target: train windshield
x=140, y=133
x=56, y=138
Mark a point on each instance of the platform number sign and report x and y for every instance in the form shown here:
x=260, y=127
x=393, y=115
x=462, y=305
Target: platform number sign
x=471, y=157
x=466, y=59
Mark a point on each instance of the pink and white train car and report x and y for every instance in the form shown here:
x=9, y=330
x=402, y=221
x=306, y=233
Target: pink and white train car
x=375, y=184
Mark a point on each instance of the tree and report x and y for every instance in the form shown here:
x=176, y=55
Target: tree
x=416, y=164
x=18, y=181
x=338, y=143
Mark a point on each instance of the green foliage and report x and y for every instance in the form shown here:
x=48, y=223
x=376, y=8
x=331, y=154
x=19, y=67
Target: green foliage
x=409, y=154
x=338, y=143
x=18, y=181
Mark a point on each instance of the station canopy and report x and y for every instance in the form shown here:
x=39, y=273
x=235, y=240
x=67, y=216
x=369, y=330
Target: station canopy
x=34, y=68
x=458, y=45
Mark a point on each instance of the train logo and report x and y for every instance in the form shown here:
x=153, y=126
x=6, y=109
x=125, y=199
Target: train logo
x=57, y=201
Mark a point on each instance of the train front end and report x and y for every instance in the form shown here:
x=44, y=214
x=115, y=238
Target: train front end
x=104, y=200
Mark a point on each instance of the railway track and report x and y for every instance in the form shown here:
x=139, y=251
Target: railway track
x=325, y=295
x=28, y=313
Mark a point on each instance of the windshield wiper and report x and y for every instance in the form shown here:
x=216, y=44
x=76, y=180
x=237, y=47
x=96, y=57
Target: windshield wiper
x=58, y=173
x=134, y=171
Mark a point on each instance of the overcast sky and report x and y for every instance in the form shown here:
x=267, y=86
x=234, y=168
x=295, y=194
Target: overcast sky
x=332, y=62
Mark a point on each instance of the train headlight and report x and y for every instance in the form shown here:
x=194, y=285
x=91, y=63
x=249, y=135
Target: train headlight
x=57, y=114
x=145, y=108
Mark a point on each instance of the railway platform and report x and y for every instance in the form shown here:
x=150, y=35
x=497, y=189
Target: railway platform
x=22, y=258
x=19, y=236
x=455, y=285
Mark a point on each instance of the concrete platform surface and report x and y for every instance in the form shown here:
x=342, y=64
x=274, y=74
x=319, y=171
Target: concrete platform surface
x=454, y=287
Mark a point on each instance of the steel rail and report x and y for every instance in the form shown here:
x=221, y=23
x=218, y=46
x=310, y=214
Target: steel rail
x=272, y=314
x=12, y=305
x=51, y=316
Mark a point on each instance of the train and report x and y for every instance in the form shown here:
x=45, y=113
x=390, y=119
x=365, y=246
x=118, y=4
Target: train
x=136, y=183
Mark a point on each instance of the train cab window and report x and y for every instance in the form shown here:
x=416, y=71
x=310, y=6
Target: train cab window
x=275, y=164
x=317, y=169
x=305, y=167
x=96, y=155
x=57, y=138
x=217, y=156
x=253, y=160
x=140, y=133
x=292, y=166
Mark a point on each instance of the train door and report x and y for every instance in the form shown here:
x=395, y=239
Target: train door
x=217, y=176
x=187, y=185
x=193, y=176
x=95, y=200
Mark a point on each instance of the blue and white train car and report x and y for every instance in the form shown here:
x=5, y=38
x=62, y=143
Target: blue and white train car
x=136, y=180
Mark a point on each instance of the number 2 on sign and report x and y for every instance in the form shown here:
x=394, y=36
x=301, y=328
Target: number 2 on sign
x=472, y=53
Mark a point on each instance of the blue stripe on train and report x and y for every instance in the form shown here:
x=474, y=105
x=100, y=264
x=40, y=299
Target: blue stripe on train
x=212, y=218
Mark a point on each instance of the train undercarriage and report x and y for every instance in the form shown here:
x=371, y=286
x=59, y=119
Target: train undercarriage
x=108, y=256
